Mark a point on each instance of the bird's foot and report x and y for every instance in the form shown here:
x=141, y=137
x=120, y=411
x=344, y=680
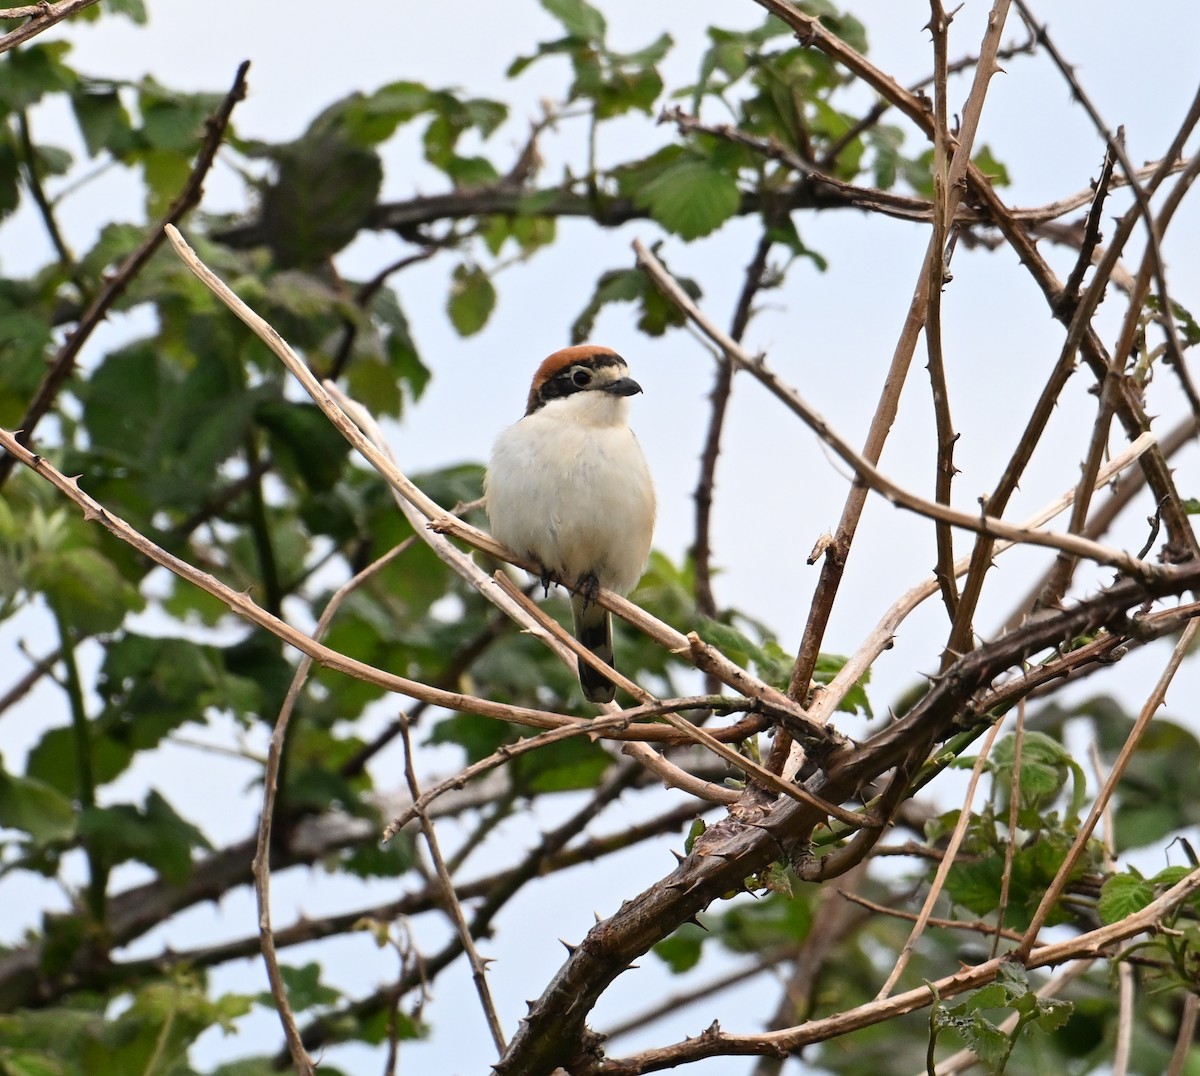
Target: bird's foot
x=548, y=579
x=588, y=587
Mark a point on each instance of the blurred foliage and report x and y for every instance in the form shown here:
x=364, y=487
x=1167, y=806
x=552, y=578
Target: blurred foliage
x=186, y=428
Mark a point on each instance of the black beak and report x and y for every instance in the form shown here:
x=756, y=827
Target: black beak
x=623, y=386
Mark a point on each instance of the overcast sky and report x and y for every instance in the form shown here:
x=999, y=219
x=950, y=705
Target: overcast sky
x=830, y=334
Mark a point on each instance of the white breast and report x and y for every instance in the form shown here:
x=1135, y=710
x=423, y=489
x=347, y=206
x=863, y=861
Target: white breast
x=569, y=487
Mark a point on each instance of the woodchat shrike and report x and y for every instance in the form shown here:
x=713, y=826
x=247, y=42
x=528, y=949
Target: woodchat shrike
x=568, y=487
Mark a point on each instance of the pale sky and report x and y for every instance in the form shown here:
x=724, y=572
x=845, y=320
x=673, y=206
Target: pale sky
x=831, y=335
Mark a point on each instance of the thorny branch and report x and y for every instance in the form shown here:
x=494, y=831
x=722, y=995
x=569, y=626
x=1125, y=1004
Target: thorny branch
x=41, y=17
x=967, y=690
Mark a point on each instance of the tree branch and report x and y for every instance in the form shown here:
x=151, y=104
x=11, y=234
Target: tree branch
x=97, y=310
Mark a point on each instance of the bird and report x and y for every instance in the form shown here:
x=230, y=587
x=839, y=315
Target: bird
x=568, y=488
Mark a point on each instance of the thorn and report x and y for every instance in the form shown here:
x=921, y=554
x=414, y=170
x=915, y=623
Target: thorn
x=679, y=858
x=568, y=946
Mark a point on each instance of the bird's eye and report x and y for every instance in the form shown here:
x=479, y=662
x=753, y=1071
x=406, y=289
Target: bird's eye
x=580, y=377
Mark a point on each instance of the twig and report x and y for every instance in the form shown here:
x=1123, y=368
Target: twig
x=1126, y=488
x=1091, y=231
x=507, y=752
x=440, y=522
x=935, y=264
x=882, y=105
x=718, y=1043
x=1117, y=148
x=1187, y=1032
x=827, y=697
x=810, y=31
x=241, y=605
x=1182, y=541
x=97, y=310
x=975, y=926
x=1059, y=578
x=45, y=209
x=28, y=680
x=41, y=17
x=869, y=475
x=966, y=1059
x=1141, y=285
x=261, y=869
x=719, y=400
x=453, y=907
x=1014, y=813
x=943, y=869
x=692, y=732
x=1134, y=738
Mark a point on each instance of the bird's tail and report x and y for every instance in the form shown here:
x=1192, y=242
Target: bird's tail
x=593, y=628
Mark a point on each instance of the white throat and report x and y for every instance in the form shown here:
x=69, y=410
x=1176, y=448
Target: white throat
x=595, y=408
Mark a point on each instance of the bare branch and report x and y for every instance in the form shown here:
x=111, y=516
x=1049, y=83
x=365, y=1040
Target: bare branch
x=1149, y=709
x=869, y=475
x=717, y=1043
x=41, y=17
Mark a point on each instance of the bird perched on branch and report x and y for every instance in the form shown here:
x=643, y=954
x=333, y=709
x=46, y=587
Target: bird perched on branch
x=568, y=487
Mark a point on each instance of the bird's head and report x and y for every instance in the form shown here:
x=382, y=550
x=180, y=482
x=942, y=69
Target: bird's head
x=575, y=371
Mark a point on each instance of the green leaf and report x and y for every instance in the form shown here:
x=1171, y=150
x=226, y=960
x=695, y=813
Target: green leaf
x=691, y=198
x=324, y=192
x=578, y=18
x=1170, y=876
x=26, y=1063
x=681, y=950
x=855, y=701
x=134, y=10
x=918, y=173
x=35, y=808
x=561, y=767
x=170, y=428
x=164, y=171
x=472, y=299
x=885, y=142
x=173, y=121
x=10, y=173
x=374, y=860
x=1123, y=895
x=30, y=72
x=85, y=588
x=155, y=835
x=303, y=439
x=103, y=121
x=24, y=337
x=304, y=988
x=632, y=285
x=156, y=1031
x=774, y=920
x=996, y=173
